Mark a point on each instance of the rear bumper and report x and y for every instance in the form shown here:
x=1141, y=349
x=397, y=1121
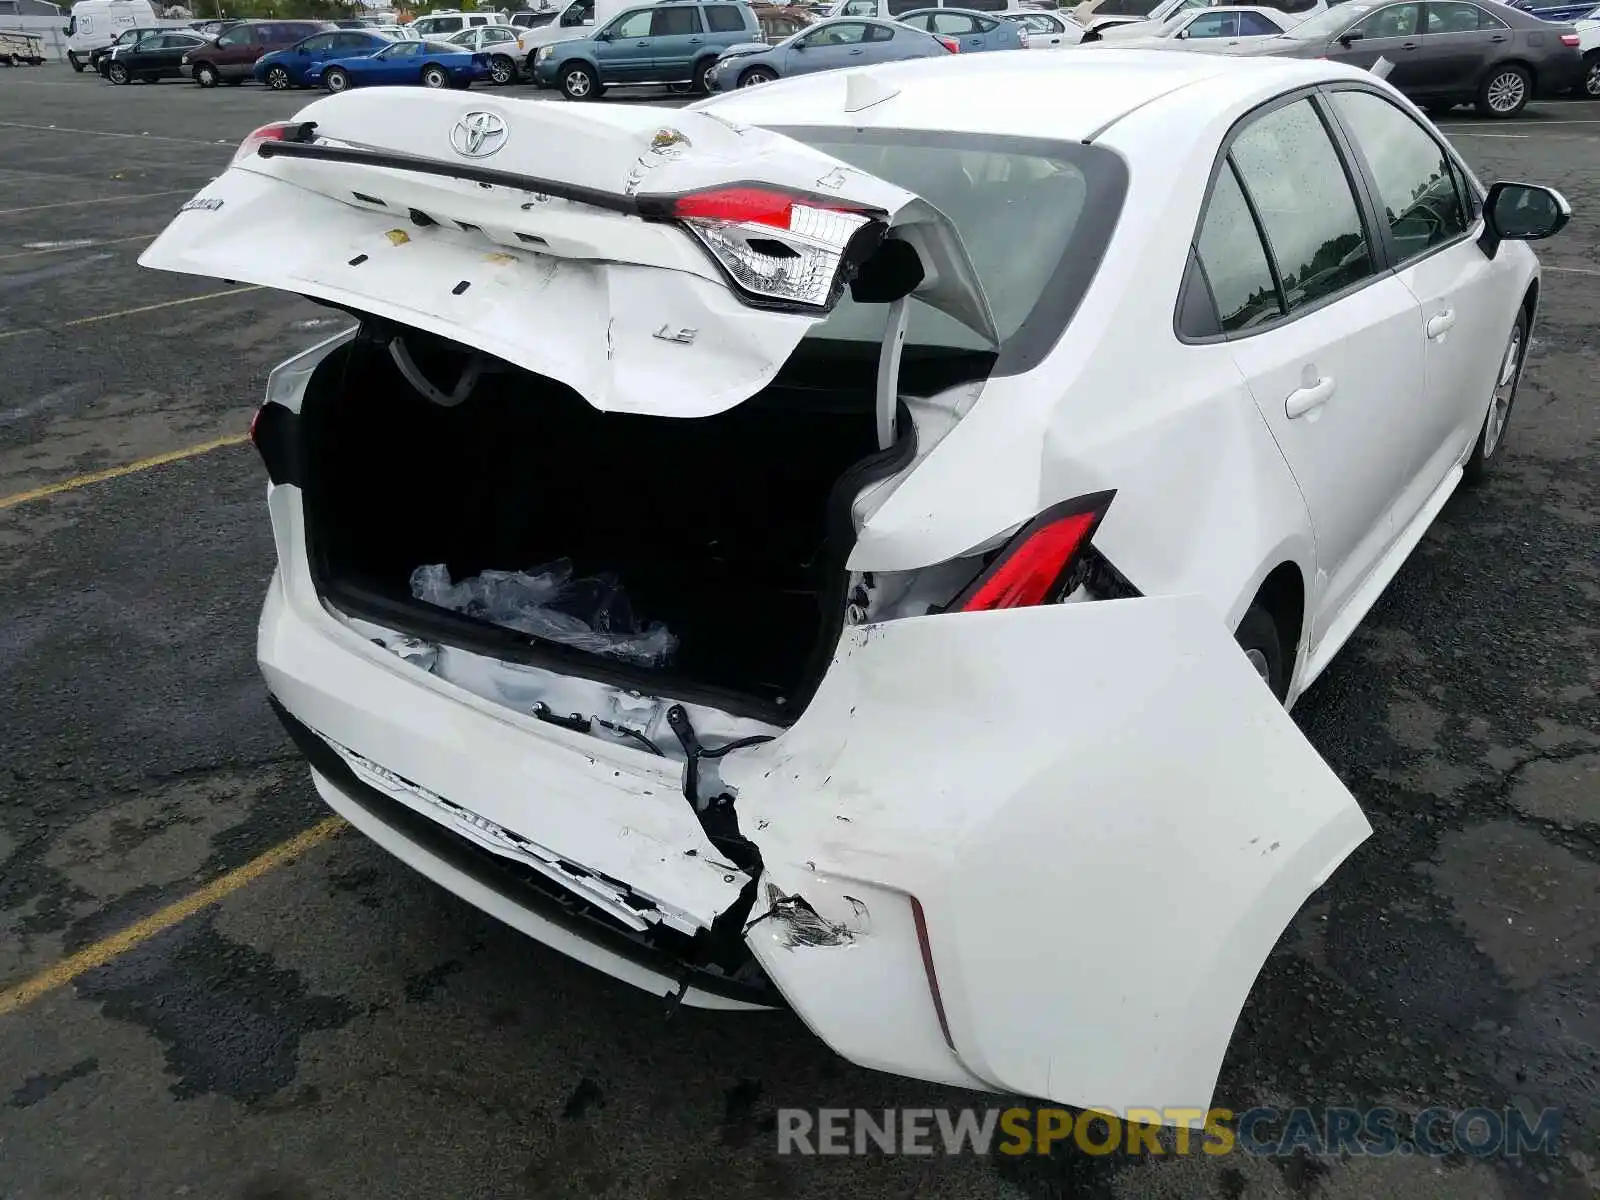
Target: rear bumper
x=1558, y=76
x=521, y=898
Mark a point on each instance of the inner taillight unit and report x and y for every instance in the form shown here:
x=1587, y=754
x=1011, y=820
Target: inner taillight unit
x=782, y=249
x=1570, y=39
x=277, y=131
x=1031, y=567
x=950, y=44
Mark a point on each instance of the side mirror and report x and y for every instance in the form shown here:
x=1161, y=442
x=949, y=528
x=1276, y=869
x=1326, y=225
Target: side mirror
x=1353, y=36
x=1521, y=212
x=798, y=46
x=603, y=35
x=1183, y=35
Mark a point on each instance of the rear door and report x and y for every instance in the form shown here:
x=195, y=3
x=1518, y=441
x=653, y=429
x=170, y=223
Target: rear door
x=1392, y=32
x=1457, y=41
x=579, y=263
x=677, y=38
x=1329, y=343
x=962, y=28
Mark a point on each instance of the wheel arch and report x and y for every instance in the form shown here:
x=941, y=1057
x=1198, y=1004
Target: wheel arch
x=1513, y=61
x=1283, y=595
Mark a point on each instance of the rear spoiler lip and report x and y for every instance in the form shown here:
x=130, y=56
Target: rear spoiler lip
x=649, y=208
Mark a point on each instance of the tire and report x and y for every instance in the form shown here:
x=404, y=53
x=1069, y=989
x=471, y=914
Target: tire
x=118, y=74
x=336, y=79
x=205, y=75
x=1505, y=91
x=502, y=70
x=72, y=60
x=435, y=77
x=1503, y=396
x=1591, y=74
x=702, y=77
x=1438, y=109
x=578, y=82
x=1262, y=644
x=756, y=76
x=278, y=79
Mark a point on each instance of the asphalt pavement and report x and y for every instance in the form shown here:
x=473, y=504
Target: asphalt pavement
x=199, y=997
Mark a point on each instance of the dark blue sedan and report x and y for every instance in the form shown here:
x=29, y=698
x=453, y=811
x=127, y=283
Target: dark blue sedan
x=431, y=64
x=827, y=46
x=286, y=68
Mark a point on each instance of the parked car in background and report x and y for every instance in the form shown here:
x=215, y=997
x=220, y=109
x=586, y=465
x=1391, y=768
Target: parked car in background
x=439, y=25
x=214, y=28
x=155, y=56
x=502, y=43
x=780, y=21
x=100, y=55
x=232, y=56
x=673, y=43
x=1589, y=47
x=97, y=23
x=1115, y=28
x=422, y=63
x=1222, y=26
x=990, y=781
x=972, y=31
x=825, y=46
x=1445, y=52
x=893, y=10
x=534, y=18
x=283, y=69
x=1046, y=30
x=395, y=33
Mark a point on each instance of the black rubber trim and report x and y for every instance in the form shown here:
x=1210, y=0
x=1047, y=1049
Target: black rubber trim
x=276, y=434
x=527, y=889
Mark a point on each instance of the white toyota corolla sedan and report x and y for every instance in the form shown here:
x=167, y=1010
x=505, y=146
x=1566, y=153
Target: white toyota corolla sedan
x=850, y=544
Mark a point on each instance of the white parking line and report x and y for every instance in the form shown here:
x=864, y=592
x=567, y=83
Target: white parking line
x=7, y=212
x=78, y=244
x=153, y=137
x=1571, y=270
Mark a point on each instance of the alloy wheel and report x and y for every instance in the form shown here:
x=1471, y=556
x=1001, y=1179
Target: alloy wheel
x=278, y=79
x=501, y=69
x=1505, y=387
x=1507, y=92
x=433, y=77
x=577, y=84
x=1591, y=77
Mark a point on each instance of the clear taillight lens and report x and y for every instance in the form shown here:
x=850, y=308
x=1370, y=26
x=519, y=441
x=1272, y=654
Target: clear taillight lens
x=278, y=131
x=779, y=248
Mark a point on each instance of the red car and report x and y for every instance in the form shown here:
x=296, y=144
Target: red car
x=232, y=56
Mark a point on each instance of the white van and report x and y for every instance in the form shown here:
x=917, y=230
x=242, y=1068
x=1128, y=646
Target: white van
x=443, y=23
x=96, y=23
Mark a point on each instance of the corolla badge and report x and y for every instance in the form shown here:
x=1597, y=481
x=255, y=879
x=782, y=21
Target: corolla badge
x=478, y=134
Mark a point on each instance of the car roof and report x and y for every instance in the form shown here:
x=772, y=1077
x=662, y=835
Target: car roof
x=1071, y=94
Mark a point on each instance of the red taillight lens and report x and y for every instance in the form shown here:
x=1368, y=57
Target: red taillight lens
x=1036, y=559
x=278, y=131
x=750, y=206
x=1569, y=39
x=927, y=966
x=255, y=420
x=950, y=44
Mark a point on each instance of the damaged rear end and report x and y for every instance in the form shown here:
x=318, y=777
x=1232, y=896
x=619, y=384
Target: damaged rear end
x=575, y=613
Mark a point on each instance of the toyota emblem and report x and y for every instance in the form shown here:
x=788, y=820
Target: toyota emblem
x=478, y=134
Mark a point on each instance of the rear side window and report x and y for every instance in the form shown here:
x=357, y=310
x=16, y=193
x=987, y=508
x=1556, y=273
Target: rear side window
x=878, y=33
x=953, y=23
x=1289, y=167
x=1255, y=25
x=1234, y=260
x=724, y=18
x=1417, y=185
x=675, y=20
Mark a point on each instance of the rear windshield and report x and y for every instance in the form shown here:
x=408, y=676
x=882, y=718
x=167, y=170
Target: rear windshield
x=1035, y=216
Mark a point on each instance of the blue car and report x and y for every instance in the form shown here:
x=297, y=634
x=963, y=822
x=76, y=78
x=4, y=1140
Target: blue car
x=974, y=31
x=287, y=68
x=431, y=64
x=825, y=46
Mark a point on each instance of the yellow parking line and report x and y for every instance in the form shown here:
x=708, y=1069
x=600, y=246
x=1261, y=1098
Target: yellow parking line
x=103, y=951
x=6, y=212
x=144, y=464
x=131, y=312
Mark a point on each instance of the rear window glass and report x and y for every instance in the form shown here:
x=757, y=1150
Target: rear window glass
x=1057, y=200
x=724, y=18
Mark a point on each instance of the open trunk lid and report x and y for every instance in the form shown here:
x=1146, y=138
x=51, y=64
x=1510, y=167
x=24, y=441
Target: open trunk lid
x=657, y=261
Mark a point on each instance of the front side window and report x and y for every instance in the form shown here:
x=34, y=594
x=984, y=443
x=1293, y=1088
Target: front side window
x=1214, y=25
x=402, y=50
x=1288, y=165
x=323, y=41
x=633, y=25
x=675, y=20
x=1417, y=186
x=1398, y=20
x=235, y=37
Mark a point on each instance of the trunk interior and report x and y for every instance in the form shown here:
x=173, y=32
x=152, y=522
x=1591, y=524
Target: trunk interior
x=731, y=530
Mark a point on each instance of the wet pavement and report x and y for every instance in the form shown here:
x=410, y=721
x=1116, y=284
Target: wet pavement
x=339, y=1027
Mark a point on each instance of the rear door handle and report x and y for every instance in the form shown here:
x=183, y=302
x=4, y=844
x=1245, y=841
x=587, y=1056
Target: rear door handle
x=1439, y=324
x=1305, y=399
x=1408, y=45
x=857, y=50
x=1499, y=37
x=694, y=41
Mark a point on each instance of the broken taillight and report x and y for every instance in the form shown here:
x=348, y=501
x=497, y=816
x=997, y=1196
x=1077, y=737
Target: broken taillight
x=1030, y=568
x=783, y=249
x=1570, y=39
x=277, y=131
